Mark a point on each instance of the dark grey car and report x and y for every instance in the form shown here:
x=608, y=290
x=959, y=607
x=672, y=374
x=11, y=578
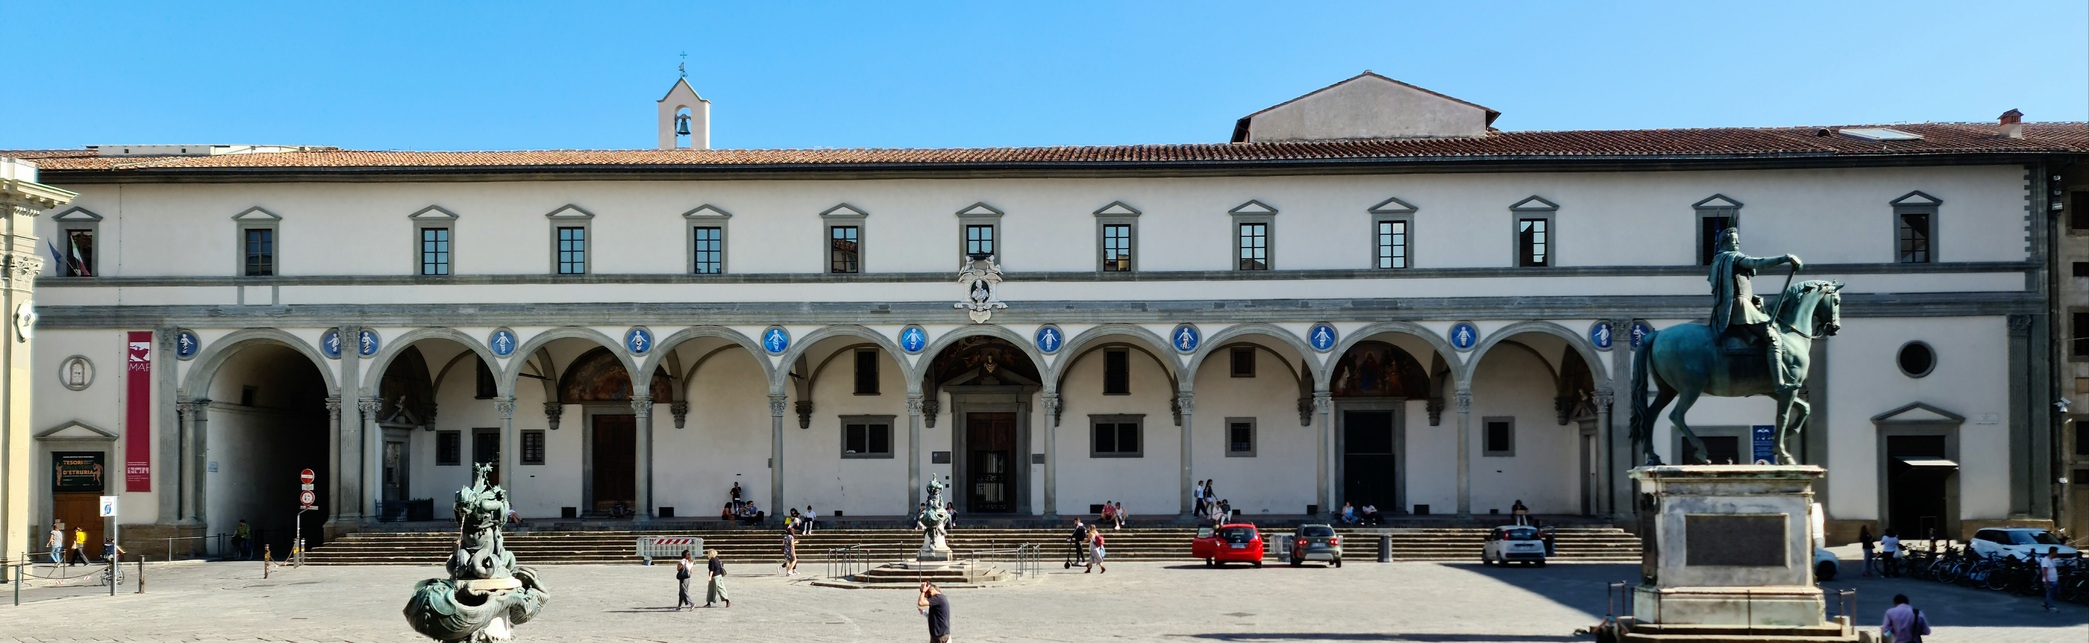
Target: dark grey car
x=1316, y=542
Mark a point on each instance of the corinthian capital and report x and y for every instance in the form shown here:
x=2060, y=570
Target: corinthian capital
x=642, y=404
x=506, y=407
x=778, y=404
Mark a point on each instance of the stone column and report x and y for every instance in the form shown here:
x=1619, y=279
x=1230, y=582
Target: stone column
x=1617, y=435
x=337, y=493
x=1186, y=401
x=1464, y=453
x=913, y=450
x=195, y=434
x=1601, y=466
x=1323, y=408
x=366, y=483
x=1051, y=454
x=21, y=199
x=642, y=410
x=778, y=403
x=509, y=456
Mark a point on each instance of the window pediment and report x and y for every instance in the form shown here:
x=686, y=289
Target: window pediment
x=1716, y=201
x=433, y=213
x=1917, y=199
x=76, y=430
x=1917, y=413
x=1117, y=209
x=1534, y=203
x=569, y=211
x=257, y=214
x=980, y=209
x=1393, y=205
x=81, y=215
x=1252, y=207
x=843, y=210
x=707, y=211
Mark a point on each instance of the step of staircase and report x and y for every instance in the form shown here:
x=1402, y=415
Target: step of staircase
x=551, y=547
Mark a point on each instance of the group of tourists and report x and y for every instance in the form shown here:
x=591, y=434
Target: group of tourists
x=1088, y=546
x=1114, y=515
x=686, y=568
x=1368, y=515
x=76, y=553
x=1209, y=505
x=1887, y=553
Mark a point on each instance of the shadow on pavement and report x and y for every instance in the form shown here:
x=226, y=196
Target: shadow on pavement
x=1417, y=637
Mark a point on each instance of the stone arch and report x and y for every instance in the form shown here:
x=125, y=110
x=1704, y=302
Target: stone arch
x=943, y=342
x=1573, y=339
x=1211, y=345
x=666, y=346
x=384, y=357
x=1436, y=342
x=215, y=355
x=777, y=376
x=1075, y=348
x=513, y=371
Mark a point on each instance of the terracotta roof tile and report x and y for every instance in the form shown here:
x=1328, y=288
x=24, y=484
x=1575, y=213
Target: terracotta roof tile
x=1774, y=142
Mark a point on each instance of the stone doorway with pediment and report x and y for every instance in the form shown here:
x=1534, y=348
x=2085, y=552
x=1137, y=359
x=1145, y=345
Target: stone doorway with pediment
x=992, y=387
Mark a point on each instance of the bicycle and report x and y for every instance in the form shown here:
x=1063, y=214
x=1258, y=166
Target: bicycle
x=117, y=569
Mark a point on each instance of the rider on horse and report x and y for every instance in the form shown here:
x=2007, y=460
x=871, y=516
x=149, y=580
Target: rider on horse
x=1735, y=308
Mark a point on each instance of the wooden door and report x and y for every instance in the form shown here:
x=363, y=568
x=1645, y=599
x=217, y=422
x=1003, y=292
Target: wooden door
x=990, y=463
x=485, y=449
x=615, y=451
x=77, y=509
x=1369, y=462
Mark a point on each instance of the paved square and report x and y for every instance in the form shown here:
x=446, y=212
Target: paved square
x=1133, y=602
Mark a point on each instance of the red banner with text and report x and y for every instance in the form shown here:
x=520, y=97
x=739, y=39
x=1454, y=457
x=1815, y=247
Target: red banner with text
x=137, y=413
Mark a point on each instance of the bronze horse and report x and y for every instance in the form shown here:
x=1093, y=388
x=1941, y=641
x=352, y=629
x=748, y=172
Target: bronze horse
x=1686, y=362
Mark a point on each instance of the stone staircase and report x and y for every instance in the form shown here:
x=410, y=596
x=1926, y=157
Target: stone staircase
x=561, y=547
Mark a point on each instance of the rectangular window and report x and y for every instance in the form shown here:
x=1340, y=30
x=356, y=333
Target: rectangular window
x=79, y=253
x=1240, y=437
x=533, y=446
x=1116, y=436
x=866, y=372
x=1117, y=247
x=1254, y=246
x=1914, y=237
x=1392, y=244
x=484, y=388
x=1243, y=361
x=449, y=448
x=866, y=436
x=2080, y=345
x=979, y=240
x=2081, y=445
x=573, y=251
x=1500, y=437
x=1533, y=243
x=2078, y=210
x=1708, y=229
x=710, y=251
x=844, y=254
x=260, y=252
x=435, y=252
x=2081, y=269
x=1117, y=371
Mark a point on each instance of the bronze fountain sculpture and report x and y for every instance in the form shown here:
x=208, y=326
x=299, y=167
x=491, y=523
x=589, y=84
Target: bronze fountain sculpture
x=486, y=594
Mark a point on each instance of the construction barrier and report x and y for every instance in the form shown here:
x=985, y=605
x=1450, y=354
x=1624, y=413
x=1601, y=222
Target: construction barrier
x=669, y=547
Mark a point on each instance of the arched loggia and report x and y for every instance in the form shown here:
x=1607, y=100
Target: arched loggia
x=259, y=402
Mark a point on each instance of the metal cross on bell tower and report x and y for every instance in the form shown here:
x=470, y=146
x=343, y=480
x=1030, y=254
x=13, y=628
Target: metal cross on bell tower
x=684, y=67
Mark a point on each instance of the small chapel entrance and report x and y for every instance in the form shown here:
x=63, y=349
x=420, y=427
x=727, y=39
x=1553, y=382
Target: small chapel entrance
x=1371, y=385
x=1370, y=466
x=990, y=438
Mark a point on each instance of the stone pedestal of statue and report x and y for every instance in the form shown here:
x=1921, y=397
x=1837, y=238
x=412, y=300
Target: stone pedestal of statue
x=934, y=547
x=1727, y=545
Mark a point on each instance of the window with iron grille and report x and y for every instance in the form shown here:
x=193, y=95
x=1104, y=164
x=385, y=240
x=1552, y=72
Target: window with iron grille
x=1243, y=358
x=1499, y=439
x=866, y=436
x=449, y=448
x=1116, y=436
x=533, y=446
x=1240, y=437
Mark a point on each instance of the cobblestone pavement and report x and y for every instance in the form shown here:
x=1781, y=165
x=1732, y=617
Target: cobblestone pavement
x=1132, y=602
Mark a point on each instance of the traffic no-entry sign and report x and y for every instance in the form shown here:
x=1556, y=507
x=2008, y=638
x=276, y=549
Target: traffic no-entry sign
x=306, y=477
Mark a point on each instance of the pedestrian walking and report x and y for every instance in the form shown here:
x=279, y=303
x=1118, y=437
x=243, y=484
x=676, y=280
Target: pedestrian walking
x=2049, y=577
x=1903, y=623
x=790, y=554
x=810, y=518
x=684, y=568
x=716, y=591
x=1095, y=551
x=1197, y=499
x=934, y=605
x=1889, y=554
x=243, y=540
x=78, y=554
x=1079, y=543
x=55, y=543
x=1870, y=549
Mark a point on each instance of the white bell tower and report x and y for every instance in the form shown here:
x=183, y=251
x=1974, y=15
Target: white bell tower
x=685, y=118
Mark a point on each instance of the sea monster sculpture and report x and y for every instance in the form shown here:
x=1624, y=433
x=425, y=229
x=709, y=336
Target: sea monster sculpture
x=487, y=594
x=934, y=521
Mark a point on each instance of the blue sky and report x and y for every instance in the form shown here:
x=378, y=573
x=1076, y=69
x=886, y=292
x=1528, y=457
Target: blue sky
x=521, y=75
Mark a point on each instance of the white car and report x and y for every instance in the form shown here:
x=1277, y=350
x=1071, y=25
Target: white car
x=1514, y=543
x=2018, y=542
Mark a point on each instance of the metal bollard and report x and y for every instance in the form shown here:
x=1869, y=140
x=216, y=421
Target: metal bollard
x=141, y=574
x=18, y=585
x=1385, y=547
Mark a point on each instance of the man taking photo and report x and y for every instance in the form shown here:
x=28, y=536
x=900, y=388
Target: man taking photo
x=937, y=608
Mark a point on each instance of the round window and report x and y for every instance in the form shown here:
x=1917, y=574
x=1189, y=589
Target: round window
x=1917, y=359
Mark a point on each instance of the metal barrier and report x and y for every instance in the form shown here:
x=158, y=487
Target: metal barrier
x=650, y=547
x=1843, y=605
x=1026, y=559
x=1617, y=601
x=843, y=562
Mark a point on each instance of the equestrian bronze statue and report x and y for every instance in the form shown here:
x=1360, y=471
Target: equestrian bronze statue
x=1744, y=350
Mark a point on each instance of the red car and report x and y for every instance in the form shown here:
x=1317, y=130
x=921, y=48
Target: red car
x=1229, y=543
